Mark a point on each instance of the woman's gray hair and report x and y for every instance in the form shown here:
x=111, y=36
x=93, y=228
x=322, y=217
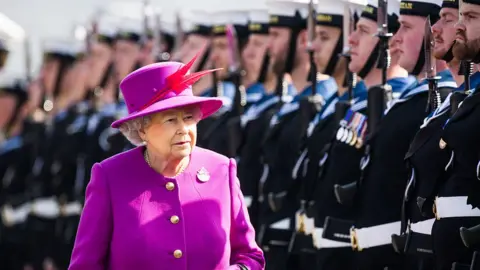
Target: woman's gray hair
x=132, y=128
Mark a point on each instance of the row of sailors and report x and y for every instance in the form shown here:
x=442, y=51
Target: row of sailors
x=296, y=151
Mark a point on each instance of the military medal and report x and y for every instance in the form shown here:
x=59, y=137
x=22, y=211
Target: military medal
x=349, y=136
x=203, y=175
x=340, y=133
x=354, y=139
x=442, y=144
x=345, y=135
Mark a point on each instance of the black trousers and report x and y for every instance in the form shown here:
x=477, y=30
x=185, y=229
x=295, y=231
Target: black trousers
x=12, y=248
x=379, y=258
x=447, y=243
x=335, y=259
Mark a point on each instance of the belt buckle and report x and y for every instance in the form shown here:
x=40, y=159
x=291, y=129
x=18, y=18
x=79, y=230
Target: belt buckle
x=434, y=209
x=354, y=240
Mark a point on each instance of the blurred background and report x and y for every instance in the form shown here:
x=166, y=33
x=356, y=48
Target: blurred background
x=50, y=19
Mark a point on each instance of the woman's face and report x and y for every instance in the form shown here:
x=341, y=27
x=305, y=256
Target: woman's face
x=172, y=134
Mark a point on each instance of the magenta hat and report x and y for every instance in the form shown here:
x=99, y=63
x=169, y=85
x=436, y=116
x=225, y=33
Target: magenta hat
x=163, y=86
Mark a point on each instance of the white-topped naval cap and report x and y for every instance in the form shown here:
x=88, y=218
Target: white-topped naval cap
x=236, y=17
x=288, y=8
x=10, y=79
x=258, y=16
x=393, y=5
x=434, y=2
x=9, y=29
x=108, y=26
x=128, y=25
x=65, y=47
x=332, y=7
x=356, y=6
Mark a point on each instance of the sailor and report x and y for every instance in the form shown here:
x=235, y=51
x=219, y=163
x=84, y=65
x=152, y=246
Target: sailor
x=15, y=164
x=161, y=30
x=129, y=39
x=102, y=67
x=289, y=56
x=254, y=57
x=230, y=34
x=253, y=124
x=379, y=202
x=69, y=84
x=339, y=163
x=425, y=159
x=197, y=41
x=330, y=40
x=3, y=53
x=453, y=203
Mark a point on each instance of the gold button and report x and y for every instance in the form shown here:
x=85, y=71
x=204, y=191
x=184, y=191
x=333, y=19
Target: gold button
x=170, y=186
x=177, y=254
x=174, y=219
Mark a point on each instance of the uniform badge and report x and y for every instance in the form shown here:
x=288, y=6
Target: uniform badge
x=442, y=144
x=203, y=175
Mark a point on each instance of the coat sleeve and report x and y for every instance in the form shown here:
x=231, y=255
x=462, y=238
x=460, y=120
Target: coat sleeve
x=245, y=250
x=92, y=242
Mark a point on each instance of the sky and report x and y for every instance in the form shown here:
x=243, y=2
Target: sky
x=47, y=19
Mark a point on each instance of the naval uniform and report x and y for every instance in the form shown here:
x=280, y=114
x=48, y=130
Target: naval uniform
x=254, y=126
x=340, y=165
x=281, y=149
x=451, y=207
x=43, y=234
x=211, y=135
x=382, y=186
x=15, y=164
x=306, y=172
x=427, y=163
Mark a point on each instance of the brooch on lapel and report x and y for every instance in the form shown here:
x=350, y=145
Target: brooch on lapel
x=203, y=175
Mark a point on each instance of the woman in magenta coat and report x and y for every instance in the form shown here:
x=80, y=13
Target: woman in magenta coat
x=165, y=204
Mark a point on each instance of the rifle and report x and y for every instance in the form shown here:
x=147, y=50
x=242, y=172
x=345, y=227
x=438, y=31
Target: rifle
x=434, y=99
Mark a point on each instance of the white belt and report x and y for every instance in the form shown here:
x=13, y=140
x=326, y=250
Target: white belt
x=448, y=207
x=49, y=208
x=12, y=216
x=375, y=236
x=248, y=200
x=423, y=227
x=46, y=208
x=71, y=209
x=321, y=242
x=283, y=224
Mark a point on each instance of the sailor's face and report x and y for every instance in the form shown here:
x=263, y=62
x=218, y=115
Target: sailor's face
x=467, y=37
x=7, y=107
x=409, y=39
x=126, y=56
x=362, y=42
x=99, y=59
x=326, y=38
x=193, y=45
x=279, y=39
x=254, y=53
x=220, y=55
x=444, y=31
x=49, y=73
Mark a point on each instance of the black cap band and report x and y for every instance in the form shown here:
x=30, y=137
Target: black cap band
x=325, y=19
x=294, y=22
x=450, y=4
x=221, y=30
x=128, y=36
x=420, y=9
x=202, y=30
x=370, y=12
x=474, y=2
x=258, y=28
